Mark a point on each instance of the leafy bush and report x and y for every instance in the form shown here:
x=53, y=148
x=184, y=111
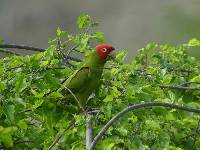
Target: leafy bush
x=30, y=117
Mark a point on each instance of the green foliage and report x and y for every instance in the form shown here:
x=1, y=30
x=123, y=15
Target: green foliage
x=83, y=21
x=32, y=118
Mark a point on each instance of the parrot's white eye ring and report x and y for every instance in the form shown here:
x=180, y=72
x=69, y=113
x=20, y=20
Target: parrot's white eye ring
x=104, y=50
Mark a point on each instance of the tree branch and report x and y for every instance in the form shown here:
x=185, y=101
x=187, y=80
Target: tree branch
x=178, y=87
x=21, y=47
x=9, y=52
x=22, y=142
x=89, y=131
x=187, y=83
x=28, y=48
x=183, y=86
x=134, y=107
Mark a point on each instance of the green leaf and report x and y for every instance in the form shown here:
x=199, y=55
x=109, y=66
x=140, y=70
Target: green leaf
x=170, y=117
x=122, y=131
x=151, y=46
x=22, y=124
x=21, y=83
x=2, y=86
x=107, y=75
x=194, y=42
x=83, y=21
x=133, y=119
x=56, y=95
x=9, y=112
x=153, y=125
x=109, y=98
x=37, y=94
x=120, y=57
x=99, y=36
x=6, y=135
x=1, y=71
x=195, y=79
x=167, y=79
x=44, y=63
x=20, y=101
x=115, y=92
x=38, y=103
x=60, y=33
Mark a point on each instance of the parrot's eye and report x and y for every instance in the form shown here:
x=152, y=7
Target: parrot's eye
x=104, y=50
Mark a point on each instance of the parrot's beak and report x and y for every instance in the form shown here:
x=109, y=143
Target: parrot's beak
x=113, y=53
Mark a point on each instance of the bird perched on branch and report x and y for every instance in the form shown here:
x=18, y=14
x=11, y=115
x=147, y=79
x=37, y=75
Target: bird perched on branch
x=80, y=85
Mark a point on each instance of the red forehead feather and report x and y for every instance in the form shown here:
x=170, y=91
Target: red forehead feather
x=104, y=55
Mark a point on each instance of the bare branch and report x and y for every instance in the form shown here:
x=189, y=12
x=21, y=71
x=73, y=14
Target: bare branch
x=187, y=83
x=22, y=47
x=89, y=131
x=23, y=142
x=179, y=69
x=9, y=51
x=178, y=87
x=71, y=50
x=183, y=86
x=134, y=107
x=29, y=48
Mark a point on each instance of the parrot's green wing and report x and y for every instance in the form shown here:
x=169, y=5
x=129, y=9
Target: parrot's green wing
x=77, y=81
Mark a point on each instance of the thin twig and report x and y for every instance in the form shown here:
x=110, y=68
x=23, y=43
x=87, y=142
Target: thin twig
x=63, y=57
x=77, y=100
x=72, y=49
x=24, y=111
x=22, y=142
x=59, y=135
x=74, y=59
x=134, y=107
x=77, y=45
x=179, y=69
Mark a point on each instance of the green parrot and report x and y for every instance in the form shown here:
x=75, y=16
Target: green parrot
x=83, y=82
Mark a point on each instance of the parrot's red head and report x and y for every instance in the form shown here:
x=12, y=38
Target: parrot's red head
x=104, y=51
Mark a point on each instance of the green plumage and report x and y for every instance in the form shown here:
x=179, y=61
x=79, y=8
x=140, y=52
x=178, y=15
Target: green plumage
x=85, y=80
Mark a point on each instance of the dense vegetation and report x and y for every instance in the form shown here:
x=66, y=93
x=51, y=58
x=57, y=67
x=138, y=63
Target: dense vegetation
x=30, y=117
